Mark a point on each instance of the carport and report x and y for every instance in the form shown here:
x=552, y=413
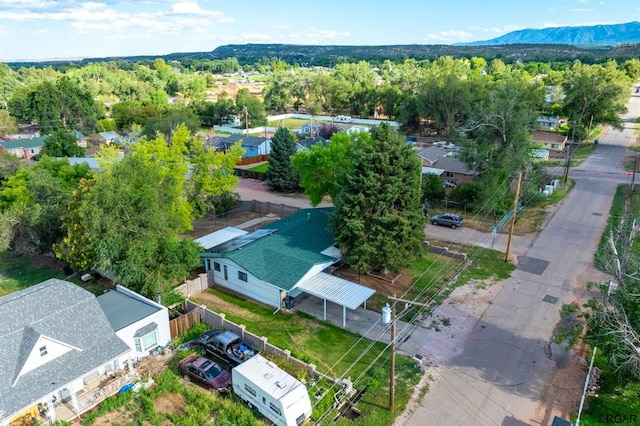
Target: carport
x=337, y=290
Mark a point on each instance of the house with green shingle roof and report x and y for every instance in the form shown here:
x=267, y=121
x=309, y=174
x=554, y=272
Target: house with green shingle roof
x=281, y=260
x=24, y=148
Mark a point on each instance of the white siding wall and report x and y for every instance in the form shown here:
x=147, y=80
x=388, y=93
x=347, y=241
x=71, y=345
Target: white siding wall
x=161, y=318
x=254, y=288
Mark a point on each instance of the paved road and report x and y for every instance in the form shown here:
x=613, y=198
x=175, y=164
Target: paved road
x=499, y=376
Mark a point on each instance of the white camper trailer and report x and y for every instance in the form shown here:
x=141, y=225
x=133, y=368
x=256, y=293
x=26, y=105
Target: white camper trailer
x=278, y=396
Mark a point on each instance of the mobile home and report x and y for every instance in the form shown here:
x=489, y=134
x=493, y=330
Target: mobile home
x=278, y=396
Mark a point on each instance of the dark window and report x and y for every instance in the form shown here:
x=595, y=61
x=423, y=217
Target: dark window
x=250, y=390
x=242, y=276
x=275, y=409
x=43, y=351
x=216, y=266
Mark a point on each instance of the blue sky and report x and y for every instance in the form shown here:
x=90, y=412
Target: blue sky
x=47, y=29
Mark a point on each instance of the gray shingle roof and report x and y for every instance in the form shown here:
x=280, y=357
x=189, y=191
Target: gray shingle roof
x=61, y=312
x=441, y=158
x=231, y=139
x=122, y=310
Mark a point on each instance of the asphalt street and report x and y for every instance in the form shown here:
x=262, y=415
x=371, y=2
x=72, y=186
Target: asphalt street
x=498, y=377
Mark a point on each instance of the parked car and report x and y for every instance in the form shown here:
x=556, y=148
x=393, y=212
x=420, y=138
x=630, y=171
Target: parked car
x=205, y=372
x=343, y=119
x=227, y=345
x=448, y=219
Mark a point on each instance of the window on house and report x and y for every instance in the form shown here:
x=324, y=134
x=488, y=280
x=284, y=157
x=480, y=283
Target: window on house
x=43, y=351
x=216, y=266
x=242, y=276
x=147, y=341
x=448, y=174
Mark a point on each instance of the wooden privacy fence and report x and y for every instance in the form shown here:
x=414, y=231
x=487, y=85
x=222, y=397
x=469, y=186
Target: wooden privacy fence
x=254, y=159
x=184, y=322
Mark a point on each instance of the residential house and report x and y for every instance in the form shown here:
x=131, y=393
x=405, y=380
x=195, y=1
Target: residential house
x=540, y=154
x=28, y=148
x=24, y=148
x=553, y=141
x=61, y=339
x=25, y=132
x=81, y=139
x=58, y=338
x=109, y=137
x=141, y=323
x=253, y=145
x=311, y=128
x=280, y=261
x=548, y=122
x=442, y=161
x=307, y=143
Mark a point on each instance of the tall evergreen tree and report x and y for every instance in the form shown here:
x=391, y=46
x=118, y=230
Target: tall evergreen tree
x=378, y=221
x=280, y=175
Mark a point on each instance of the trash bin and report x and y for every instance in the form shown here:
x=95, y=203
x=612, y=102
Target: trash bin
x=595, y=141
x=288, y=302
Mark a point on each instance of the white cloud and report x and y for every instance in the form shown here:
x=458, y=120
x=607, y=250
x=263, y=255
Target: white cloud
x=449, y=36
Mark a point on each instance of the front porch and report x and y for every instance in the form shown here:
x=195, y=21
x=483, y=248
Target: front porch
x=95, y=391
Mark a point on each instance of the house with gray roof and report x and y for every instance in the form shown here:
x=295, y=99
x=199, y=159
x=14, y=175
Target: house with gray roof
x=442, y=160
x=280, y=261
x=141, y=323
x=307, y=143
x=57, y=337
x=253, y=145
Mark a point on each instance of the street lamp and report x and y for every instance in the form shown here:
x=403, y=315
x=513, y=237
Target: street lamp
x=389, y=316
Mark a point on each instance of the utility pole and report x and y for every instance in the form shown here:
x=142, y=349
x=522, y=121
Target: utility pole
x=633, y=178
x=567, y=165
x=389, y=316
x=246, y=120
x=392, y=379
x=513, y=216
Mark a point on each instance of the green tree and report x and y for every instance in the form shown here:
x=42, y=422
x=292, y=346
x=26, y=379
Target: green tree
x=280, y=176
x=378, y=221
x=7, y=124
x=168, y=122
x=433, y=189
x=126, y=222
x=32, y=202
x=252, y=107
x=322, y=169
x=595, y=94
x=62, y=144
x=63, y=105
x=212, y=178
x=9, y=165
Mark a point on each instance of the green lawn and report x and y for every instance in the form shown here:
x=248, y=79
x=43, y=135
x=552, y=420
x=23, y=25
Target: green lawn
x=262, y=168
x=335, y=352
x=17, y=273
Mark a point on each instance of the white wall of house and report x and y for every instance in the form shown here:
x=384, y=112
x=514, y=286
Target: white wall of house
x=253, y=287
x=162, y=332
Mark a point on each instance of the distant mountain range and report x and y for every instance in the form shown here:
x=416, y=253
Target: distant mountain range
x=588, y=44
x=597, y=35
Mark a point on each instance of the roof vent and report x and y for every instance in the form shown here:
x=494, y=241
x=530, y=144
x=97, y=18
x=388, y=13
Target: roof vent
x=281, y=385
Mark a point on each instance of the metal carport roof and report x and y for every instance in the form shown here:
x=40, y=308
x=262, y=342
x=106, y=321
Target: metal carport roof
x=337, y=290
